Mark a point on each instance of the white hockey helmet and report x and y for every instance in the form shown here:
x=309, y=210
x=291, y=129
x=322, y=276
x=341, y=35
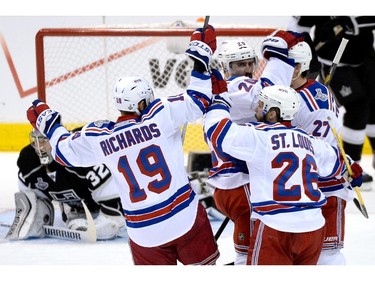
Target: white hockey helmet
x=283, y=97
x=128, y=91
x=235, y=50
x=42, y=147
x=301, y=53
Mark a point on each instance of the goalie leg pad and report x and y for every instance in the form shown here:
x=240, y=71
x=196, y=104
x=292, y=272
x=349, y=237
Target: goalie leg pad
x=31, y=214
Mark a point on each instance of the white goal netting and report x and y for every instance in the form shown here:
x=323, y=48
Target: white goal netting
x=77, y=67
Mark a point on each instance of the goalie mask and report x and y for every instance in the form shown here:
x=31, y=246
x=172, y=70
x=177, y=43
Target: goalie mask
x=301, y=53
x=284, y=98
x=129, y=91
x=42, y=147
x=236, y=50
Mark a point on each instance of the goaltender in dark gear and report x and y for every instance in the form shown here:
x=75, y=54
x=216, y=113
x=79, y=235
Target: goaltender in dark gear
x=42, y=181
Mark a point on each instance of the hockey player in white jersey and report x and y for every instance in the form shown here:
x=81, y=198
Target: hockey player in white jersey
x=318, y=104
x=352, y=83
x=229, y=176
x=242, y=88
x=166, y=223
x=284, y=163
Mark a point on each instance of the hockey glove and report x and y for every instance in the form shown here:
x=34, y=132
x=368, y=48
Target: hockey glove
x=357, y=173
x=219, y=89
x=41, y=117
x=219, y=85
x=202, y=45
x=278, y=43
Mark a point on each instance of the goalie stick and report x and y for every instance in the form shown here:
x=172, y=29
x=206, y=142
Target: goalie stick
x=63, y=233
x=91, y=229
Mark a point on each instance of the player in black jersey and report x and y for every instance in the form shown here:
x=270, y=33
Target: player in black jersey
x=41, y=181
x=352, y=83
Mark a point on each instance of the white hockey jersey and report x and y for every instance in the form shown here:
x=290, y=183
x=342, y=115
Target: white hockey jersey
x=244, y=91
x=317, y=105
x=284, y=165
x=228, y=172
x=145, y=156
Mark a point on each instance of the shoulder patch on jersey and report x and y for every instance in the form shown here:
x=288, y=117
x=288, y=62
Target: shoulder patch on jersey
x=320, y=95
x=100, y=123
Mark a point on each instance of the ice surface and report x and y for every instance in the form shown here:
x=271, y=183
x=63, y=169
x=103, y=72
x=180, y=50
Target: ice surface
x=110, y=257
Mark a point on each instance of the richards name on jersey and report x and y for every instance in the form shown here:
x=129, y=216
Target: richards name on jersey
x=128, y=138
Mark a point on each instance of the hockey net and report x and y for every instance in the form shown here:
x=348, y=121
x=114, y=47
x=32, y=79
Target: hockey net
x=76, y=67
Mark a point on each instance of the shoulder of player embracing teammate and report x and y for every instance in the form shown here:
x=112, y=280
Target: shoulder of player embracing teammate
x=240, y=84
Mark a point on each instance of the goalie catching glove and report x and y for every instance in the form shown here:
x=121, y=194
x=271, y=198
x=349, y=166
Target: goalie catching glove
x=42, y=118
x=278, y=43
x=202, y=45
x=108, y=223
x=107, y=226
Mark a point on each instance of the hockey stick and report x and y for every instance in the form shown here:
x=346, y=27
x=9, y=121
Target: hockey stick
x=221, y=228
x=63, y=233
x=360, y=204
x=91, y=229
x=183, y=132
x=226, y=220
x=336, y=61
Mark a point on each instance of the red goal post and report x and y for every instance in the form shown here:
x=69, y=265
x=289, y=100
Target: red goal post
x=76, y=67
